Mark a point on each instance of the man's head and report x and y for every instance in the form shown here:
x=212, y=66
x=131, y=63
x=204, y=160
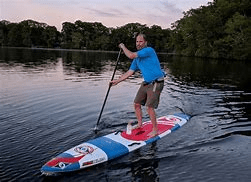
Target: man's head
x=141, y=41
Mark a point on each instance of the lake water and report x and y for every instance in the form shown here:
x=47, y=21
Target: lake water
x=50, y=102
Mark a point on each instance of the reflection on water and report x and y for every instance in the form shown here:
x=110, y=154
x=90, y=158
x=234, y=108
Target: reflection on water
x=50, y=101
x=144, y=165
x=212, y=73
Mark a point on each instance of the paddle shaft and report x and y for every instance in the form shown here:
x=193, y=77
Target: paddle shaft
x=107, y=93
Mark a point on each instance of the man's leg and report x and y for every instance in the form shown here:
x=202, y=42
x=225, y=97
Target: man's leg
x=138, y=113
x=152, y=115
x=153, y=96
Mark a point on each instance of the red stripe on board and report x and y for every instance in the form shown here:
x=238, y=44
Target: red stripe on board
x=55, y=161
x=140, y=134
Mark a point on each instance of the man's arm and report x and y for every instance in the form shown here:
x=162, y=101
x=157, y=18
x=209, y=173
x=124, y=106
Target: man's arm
x=122, y=78
x=128, y=53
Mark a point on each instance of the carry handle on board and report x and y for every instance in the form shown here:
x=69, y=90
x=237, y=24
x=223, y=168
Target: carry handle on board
x=107, y=93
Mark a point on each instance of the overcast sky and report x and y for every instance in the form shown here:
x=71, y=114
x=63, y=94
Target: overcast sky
x=111, y=13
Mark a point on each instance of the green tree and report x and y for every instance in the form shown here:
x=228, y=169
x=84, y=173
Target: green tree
x=29, y=33
x=4, y=32
x=15, y=35
x=126, y=34
x=51, y=36
x=85, y=29
x=219, y=30
x=67, y=32
x=76, y=40
x=238, y=36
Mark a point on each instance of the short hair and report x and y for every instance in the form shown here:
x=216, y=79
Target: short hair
x=142, y=35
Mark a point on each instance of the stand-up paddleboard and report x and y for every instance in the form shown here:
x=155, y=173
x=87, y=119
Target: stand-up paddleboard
x=111, y=146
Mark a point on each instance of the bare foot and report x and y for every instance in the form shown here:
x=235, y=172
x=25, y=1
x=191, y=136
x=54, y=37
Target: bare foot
x=153, y=133
x=137, y=126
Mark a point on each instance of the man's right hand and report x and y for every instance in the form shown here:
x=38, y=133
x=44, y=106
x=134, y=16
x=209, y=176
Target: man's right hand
x=121, y=45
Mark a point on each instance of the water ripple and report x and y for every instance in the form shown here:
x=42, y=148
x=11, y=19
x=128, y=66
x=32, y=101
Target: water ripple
x=52, y=105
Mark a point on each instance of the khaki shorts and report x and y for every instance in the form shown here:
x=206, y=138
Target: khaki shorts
x=149, y=94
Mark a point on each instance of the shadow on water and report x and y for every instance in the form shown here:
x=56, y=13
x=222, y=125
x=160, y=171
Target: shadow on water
x=50, y=101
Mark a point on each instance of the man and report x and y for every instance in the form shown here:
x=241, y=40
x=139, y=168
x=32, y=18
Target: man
x=145, y=60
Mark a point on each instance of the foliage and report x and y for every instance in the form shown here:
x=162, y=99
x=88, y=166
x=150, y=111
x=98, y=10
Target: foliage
x=219, y=30
x=28, y=33
x=79, y=35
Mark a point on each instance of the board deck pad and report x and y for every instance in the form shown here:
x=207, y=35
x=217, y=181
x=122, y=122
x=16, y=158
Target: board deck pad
x=142, y=133
x=112, y=146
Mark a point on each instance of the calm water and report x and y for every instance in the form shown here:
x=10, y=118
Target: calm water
x=50, y=102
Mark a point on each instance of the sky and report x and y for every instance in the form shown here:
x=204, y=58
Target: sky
x=111, y=13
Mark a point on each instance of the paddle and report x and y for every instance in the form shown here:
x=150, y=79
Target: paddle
x=110, y=85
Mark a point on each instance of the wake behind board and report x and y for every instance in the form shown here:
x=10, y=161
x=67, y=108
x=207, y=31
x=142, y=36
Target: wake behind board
x=112, y=146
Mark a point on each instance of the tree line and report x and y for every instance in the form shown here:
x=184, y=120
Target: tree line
x=79, y=35
x=219, y=30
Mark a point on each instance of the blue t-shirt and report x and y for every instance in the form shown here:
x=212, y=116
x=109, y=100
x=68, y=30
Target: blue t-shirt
x=148, y=63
